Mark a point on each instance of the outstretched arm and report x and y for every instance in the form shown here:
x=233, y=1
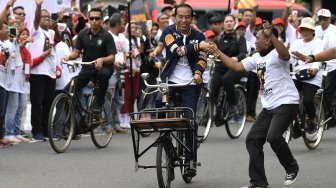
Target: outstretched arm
x=3, y=14
x=322, y=56
x=37, y=18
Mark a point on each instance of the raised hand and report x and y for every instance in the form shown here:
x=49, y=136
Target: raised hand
x=39, y=2
x=10, y=3
x=267, y=28
x=304, y=58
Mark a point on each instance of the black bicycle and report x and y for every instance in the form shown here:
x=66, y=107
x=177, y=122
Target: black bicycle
x=172, y=145
x=312, y=136
x=70, y=114
x=210, y=113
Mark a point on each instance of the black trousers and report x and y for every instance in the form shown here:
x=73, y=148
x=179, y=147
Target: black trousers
x=270, y=125
x=102, y=77
x=252, y=87
x=42, y=93
x=309, y=91
x=227, y=79
x=330, y=91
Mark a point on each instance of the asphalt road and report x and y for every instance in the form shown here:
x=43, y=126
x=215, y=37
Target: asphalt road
x=224, y=164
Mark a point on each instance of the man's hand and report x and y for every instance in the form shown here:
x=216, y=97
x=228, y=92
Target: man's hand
x=117, y=65
x=39, y=2
x=267, y=28
x=304, y=58
x=99, y=63
x=152, y=54
x=54, y=25
x=205, y=46
x=10, y=3
x=198, y=79
x=47, y=52
x=313, y=70
x=64, y=59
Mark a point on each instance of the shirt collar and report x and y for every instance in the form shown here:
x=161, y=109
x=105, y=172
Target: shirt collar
x=189, y=32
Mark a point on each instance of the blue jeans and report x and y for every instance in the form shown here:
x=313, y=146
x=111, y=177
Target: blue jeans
x=3, y=103
x=14, y=111
x=113, y=84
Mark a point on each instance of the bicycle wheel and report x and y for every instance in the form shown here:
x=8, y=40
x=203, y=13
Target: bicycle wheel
x=61, y=123
x=312, y=140
x=206, y=122
x=164, y=164
x=102, y=125
x=235, y=125
x=146, y=101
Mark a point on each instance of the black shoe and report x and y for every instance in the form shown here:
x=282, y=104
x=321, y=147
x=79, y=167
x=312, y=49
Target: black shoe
x=96, y=109
x=312, y=125
x=296, y=132
x=190, y=172
x=290, y=178
x=255, y=186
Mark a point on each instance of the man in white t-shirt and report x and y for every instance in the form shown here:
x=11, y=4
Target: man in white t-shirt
x=327, y=32
x=280, y=100
x=43, y=76
x=117, y=28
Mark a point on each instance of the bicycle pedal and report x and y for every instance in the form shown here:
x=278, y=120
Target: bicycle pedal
x=198, y=164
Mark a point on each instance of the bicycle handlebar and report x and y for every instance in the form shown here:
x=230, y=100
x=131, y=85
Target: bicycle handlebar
x=162, y=87
x=73, y=62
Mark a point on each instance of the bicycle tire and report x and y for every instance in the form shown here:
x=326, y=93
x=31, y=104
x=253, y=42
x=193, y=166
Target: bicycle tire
x=61, y=123
x=163, y=165
x=146, y=101
x=209, y=122
x=312, y=141
x=102, y=130
x=235, y=127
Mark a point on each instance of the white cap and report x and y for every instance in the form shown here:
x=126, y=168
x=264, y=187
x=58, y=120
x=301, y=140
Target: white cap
x=106, y=18
x=324, y=12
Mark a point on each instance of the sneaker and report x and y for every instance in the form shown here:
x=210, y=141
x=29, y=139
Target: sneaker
x=255, y=186
x=120, y=131
x=21, y=138
x=38, y=137
x=13, y=139
x=190, y=172
x=125, y=125
x=250, y=118
x=290, y=178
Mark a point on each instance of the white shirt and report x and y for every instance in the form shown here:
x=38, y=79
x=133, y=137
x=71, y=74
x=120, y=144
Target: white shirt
x=18, y=83
x=276, y=85
x=62, y=50
x=331, y=43
x=250, y=37
x=5, y=72
x=313, y=47
x=290, y=33
x=48, y=65
x=120, y=42
x=182, y=72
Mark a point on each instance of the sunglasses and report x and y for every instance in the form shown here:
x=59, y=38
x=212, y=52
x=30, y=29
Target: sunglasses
x=94, y=18
x=322, y=18
x=21, y=14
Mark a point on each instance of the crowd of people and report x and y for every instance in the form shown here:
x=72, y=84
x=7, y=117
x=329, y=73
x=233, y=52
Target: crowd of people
x=31, y=67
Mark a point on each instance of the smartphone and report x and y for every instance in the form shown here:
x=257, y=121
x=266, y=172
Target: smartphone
x=12, y=31
x=69, y=10
x=54, y=16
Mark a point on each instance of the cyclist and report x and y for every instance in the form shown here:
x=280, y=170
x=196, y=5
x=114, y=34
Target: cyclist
x=185, y=61
x=234, y=46
x=307, y=45
x=97, y=45
x=280, y=101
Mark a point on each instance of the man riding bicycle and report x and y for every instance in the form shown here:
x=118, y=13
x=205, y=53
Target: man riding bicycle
x=97, y=45
x=185, y=61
